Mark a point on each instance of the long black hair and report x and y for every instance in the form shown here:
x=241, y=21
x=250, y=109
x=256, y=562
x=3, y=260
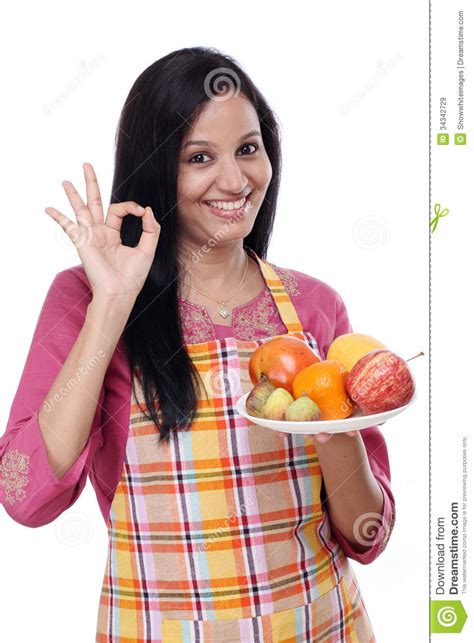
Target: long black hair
x=162, y=104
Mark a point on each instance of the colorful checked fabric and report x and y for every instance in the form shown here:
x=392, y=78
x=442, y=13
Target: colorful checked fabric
x=220, y=535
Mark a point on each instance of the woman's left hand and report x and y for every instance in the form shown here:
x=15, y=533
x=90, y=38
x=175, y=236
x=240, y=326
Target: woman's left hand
x=324, y=437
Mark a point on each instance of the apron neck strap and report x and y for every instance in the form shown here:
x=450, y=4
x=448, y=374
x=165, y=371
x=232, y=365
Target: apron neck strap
x=280, y=296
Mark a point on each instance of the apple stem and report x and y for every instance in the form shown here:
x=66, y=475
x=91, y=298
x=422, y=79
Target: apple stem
x=415, y=356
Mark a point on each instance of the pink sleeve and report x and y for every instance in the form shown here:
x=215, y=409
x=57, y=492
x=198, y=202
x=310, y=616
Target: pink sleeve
x=377, y=530
x=29, y=489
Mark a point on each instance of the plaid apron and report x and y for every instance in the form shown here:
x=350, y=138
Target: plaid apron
x=221, y=535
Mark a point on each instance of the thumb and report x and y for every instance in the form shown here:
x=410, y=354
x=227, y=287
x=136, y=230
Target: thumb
x=323, y=437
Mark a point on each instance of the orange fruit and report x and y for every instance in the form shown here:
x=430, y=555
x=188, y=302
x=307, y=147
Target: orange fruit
x=324, y=382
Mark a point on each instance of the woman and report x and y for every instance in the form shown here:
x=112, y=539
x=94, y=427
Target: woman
x=219, y=530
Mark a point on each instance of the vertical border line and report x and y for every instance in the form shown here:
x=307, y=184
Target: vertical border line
x=429, y=320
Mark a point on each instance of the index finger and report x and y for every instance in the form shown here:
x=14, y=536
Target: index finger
x=117, y=211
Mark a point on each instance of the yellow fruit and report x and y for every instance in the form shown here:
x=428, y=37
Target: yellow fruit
x=276, y=404
x=302, y=410
x=349, y=348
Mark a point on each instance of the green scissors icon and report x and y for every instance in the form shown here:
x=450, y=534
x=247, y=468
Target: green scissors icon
x=439, y=214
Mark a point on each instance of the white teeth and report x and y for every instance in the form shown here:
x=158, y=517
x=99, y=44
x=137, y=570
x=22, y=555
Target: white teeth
x=226, y=205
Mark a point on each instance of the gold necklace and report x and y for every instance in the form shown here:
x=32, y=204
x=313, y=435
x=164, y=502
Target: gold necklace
x=223, y=311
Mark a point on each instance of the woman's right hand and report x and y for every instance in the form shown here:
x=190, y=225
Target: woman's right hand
x=113, y=270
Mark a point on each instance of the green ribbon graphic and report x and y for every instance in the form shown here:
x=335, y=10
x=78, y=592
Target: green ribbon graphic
x=447, y=617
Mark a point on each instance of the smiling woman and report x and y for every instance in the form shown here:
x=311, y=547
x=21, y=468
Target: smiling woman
x=219, y=530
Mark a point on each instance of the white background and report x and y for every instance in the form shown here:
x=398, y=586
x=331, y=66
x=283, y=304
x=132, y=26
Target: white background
x=349, y=83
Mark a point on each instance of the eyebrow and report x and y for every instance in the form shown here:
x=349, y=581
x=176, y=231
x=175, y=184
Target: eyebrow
x=254, y=132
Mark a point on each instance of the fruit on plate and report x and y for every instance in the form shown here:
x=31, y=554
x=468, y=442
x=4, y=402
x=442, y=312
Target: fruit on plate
x=280, y=359
x=324, y=382
x=276, y=404
x=350, y=347
x=303, y=410
x=258, y=396
x=380, y=381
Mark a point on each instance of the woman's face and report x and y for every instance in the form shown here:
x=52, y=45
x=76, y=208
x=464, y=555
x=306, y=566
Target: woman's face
x=227, y=165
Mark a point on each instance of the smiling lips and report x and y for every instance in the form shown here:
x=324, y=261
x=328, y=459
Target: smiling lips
x=228, y=205
x=227, y=209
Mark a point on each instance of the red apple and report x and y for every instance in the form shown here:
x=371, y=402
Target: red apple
x=380, y=381
x=278, y=360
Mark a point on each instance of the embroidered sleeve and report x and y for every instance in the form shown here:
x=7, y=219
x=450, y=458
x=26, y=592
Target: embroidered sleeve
x=30, y=491
x=14, y=470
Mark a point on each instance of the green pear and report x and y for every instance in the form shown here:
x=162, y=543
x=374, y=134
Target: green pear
x=276, y=404
x=302, y=409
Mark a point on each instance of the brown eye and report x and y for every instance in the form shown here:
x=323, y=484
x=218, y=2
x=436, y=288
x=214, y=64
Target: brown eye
x=255, y=145
x=197, y=156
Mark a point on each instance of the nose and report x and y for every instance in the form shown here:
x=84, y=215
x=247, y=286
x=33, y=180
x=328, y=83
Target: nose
x=230, y=177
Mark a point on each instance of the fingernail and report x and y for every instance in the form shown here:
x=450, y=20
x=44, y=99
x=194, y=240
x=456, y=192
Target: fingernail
x=140, y=209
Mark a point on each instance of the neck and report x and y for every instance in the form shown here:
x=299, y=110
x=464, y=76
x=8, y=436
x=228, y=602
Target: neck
x=221, y=268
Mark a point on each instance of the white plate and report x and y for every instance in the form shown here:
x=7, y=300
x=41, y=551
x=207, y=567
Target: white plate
x=355, y=422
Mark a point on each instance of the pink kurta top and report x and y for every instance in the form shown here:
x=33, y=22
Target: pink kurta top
x=29, y=490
